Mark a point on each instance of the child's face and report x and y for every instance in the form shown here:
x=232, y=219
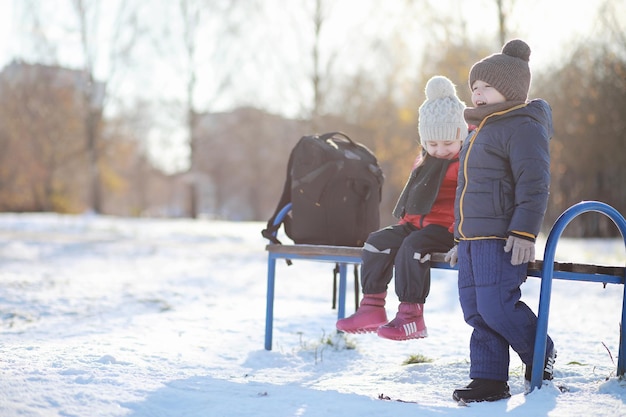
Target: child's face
x=443, y=149
x=483, y=93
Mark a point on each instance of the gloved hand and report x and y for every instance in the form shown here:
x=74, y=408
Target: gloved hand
x=523, y=250
x=452, y=256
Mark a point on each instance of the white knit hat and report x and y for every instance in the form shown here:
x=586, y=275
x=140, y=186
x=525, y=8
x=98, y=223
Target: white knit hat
x=441, y=115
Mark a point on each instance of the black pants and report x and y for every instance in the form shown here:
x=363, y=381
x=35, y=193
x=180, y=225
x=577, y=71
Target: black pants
x=398, y=246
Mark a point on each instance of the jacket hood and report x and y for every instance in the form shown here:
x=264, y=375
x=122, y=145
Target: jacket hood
x=537, y=109
x=541, y=111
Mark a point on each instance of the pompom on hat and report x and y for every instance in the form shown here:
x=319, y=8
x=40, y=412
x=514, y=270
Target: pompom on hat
x=441, y=115
x=508, y=72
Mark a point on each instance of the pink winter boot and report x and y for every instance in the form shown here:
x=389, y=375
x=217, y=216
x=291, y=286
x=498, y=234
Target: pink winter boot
x=368, y=317
x=408, y=324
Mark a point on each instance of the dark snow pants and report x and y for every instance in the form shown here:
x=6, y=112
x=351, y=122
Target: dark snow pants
x=402, y=246
x=489, y=292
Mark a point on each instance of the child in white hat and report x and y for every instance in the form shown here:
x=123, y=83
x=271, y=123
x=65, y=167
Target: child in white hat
x=425, y=210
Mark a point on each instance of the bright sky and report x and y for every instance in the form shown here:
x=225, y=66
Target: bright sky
x=547, y=26
x=6, y=31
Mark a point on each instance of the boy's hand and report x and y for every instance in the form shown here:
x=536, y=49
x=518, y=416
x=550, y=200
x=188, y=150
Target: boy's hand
x=523, y=250
x=452, y=256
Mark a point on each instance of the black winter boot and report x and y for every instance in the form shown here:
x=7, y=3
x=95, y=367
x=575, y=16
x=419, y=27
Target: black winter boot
x=548, y=371
x=482, y=390
x=548, y=368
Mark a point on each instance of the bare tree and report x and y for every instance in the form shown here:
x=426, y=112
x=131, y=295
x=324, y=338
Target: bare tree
x=91, y=28
x=190, y=14
x=205, y=29
x=88, y=16
x=588, y=128
x=42, y=142
x=501, y=22
x=316, y=76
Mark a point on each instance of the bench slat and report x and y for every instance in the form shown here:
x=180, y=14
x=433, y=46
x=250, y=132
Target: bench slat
x=324, y=250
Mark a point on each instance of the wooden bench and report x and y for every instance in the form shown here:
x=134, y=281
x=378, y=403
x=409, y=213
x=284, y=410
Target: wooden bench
x=547, y=269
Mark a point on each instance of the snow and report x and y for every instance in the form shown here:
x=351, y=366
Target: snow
x=103, y=316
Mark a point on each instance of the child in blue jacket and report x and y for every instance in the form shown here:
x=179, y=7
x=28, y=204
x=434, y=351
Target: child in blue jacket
x=501, y=199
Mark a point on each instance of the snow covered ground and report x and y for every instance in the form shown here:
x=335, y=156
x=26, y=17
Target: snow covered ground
x=104, y=316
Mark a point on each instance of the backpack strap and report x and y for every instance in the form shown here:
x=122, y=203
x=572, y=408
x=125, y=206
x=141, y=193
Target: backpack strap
x=278, y=218
x=331, y=135
x=273, y=224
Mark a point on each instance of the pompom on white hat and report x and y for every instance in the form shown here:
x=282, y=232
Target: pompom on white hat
x=441, y=115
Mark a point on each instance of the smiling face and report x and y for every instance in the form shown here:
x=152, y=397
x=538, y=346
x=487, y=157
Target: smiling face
x=483, y=93
x=447, y=149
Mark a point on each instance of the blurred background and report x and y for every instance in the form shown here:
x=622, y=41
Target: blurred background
x=189, y=108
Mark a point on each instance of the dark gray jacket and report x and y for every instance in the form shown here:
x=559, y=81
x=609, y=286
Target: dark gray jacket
x=504, y=174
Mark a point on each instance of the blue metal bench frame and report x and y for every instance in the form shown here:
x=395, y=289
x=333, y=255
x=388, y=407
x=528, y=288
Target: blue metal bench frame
x=548, y=273
x=546, y=269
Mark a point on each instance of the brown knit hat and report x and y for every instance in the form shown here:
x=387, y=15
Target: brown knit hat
x=507, y=72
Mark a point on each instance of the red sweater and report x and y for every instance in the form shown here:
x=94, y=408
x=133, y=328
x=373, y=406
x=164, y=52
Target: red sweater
x=442, y=212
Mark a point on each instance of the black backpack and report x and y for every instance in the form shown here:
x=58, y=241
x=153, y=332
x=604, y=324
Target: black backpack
x=334, y=185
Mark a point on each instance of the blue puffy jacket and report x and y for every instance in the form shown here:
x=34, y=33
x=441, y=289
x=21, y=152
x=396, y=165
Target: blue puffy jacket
x=504, y=174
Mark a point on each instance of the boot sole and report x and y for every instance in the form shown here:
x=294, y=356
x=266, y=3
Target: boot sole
x=417, y=335
x=358, y=331
x=491, y=398
x=362, y=330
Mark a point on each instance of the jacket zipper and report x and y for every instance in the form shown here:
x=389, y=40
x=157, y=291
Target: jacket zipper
x=459, y=227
